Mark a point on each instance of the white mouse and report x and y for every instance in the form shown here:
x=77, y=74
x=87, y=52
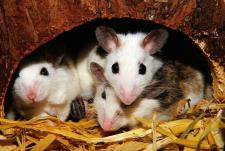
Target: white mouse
x=130, y=64
x=160, y=95
x=45, y=89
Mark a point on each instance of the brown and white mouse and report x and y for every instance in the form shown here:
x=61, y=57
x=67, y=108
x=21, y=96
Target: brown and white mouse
x=161, y=95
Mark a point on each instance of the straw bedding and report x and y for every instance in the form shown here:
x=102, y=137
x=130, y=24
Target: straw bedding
x=199, y=128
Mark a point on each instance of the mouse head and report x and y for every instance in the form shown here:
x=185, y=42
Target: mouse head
x=34, y=82
x=130, y=65
x=106, y=103
x=35, y=79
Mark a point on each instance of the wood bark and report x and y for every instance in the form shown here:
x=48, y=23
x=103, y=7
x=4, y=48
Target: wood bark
x=27, y=24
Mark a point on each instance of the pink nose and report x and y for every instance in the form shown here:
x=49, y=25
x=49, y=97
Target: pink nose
x=107, y=124
x=127, y=97
x=31, y=96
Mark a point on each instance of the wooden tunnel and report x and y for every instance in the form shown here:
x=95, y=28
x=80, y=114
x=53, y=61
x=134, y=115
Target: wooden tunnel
x=27, y=24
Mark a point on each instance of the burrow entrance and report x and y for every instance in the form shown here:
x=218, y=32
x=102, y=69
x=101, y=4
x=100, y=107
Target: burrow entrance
x=81, y=39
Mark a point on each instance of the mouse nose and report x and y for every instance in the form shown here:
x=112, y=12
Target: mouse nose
x=126, y=96
x=31, y=95
x=109, y=122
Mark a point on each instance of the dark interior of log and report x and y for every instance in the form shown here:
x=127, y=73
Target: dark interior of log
x=178, y=47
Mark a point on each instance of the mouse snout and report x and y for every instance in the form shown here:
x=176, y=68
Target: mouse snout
x=109, y=122
x=127, y=96
x=31, y=95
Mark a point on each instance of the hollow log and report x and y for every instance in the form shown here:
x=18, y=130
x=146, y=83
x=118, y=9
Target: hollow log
x=28, y=24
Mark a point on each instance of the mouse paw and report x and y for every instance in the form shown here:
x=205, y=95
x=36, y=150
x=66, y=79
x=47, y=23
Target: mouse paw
x=78, y=109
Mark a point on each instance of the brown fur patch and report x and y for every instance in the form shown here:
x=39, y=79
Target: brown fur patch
x=173, y=82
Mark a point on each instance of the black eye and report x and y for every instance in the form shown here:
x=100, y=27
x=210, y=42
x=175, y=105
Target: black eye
x=44, y=71
x=115, y=68
x=103, y=95
x=142, y=69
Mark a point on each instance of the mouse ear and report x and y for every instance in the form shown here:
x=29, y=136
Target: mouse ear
x=59, y=60
x=107, y=38
x=98, y=72
x=155, y=40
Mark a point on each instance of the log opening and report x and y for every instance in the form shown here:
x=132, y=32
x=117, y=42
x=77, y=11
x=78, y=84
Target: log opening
x=79, y=39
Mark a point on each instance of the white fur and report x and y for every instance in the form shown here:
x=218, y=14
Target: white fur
x=82, y=66
x=129, y=55
x=144, y=110
x=108, y=108
x=85, y=78
x=54, y=92
x=127, y=117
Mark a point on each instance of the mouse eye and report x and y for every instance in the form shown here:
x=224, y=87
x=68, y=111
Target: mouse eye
x=115, y=68
x=103, y=95
x=142, y=69
x=44, y=71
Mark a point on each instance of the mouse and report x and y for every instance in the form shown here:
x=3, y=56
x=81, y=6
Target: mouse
x=43, y=88
x=130, y=63
x=172, y=82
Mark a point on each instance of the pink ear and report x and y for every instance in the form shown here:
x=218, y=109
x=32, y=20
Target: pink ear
x=110, y=45
x=155, y=40
x=98, y=72
x=107, y=38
